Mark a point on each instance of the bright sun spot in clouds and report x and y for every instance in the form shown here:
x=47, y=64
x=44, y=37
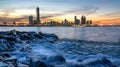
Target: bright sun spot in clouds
x=21, y=12
x=2, y=13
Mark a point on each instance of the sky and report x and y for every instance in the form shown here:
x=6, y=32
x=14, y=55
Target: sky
x=100, y=11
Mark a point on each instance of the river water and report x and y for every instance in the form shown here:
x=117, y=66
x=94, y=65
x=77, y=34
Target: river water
x=104, y=34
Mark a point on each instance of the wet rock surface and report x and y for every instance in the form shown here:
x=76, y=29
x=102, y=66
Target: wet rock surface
x=31, y=49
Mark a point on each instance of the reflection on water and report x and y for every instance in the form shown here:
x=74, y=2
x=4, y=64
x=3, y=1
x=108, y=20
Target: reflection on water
x=106, y=34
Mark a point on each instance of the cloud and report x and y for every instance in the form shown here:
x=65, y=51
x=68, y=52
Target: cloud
x=7, y=19
x=111, y=15
x=15, y=12
x=51, y=15
x=84, y=11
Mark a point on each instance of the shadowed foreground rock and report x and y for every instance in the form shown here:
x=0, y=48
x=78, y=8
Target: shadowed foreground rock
x=17, y=49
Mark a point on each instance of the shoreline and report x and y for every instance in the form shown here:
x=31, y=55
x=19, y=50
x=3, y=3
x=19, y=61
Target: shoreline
x=59, y=26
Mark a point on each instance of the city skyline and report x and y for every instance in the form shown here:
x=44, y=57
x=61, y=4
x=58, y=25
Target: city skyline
x=99, y=11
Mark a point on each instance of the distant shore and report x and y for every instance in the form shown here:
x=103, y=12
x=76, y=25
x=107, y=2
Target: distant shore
x=59, y=26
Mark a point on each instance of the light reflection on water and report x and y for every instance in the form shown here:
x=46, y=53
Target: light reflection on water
x=105, y=34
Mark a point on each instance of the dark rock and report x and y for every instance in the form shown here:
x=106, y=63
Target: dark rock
x=1, y=58
x=3, y=47
x=56, y=58
x=51, y=36
x=40, y=36
x=73, y=64
x=5, y=54
x=2, y=41
x=11, y=59
x=37, y=63
x=25, y=36
x=104, y=62
x=10, y=38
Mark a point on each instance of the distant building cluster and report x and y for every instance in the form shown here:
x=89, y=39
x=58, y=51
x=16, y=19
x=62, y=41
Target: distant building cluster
x=83, y=21
x=76, y=22
x=37, y=20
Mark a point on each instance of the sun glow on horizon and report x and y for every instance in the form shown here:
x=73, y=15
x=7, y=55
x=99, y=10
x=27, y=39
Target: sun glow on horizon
x=54, y=10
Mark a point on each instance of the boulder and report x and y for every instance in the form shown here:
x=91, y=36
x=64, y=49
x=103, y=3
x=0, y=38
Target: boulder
x=1, y=58
x=51, y=36
x=3, y=47
x=25, y=36
x=11, y=59
x=26, y=48
x=40, y=36
x=5, y=54
x=56, y=58
x=103, y=62
x=37, y=63
x=19, y=54
x=10, y=38
x=3, y=64
x=24, y=60
x=22, y=65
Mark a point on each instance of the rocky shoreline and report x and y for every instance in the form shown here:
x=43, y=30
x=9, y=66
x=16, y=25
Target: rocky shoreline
x=31, y=49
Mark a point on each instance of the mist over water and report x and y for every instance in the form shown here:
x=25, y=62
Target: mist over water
x=104, y=34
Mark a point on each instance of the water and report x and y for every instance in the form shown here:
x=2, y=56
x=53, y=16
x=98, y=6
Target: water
x=104, y=34
x=75, y=51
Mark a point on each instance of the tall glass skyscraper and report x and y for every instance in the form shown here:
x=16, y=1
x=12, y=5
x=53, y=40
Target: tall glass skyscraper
x=38, y=16
x=83, y=20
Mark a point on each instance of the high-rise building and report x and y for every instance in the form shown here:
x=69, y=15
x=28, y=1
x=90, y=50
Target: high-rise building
x=38, y=15
x=89, y=22
x=83, y=20
x=31, y=22
x=65, y=21
x=77, y=21
x=14, y=22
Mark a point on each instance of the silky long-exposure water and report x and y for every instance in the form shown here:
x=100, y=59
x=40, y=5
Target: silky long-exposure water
x=98, y=48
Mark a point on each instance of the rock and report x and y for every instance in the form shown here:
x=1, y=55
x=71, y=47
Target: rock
x=10, y=38
x=3, y=47
x=11, y=59
x=53, y=36
x=10, y=64
x=73, y=64
x=3, y=64
x=103, y=62
x=24, y=60
x=37, y=63
x=25, y=36
x=2, y=41
x=5, y=54
x=56, y=58
x=19, y=54
x=40, y=36
x=26, y=48
x=22, y=65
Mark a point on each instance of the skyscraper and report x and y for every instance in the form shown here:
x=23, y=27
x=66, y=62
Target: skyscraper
x=77, y=21
x=38, y=15
x=31, y=22
x=83, y=20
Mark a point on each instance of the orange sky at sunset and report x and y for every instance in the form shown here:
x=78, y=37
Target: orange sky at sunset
x=102, y=12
